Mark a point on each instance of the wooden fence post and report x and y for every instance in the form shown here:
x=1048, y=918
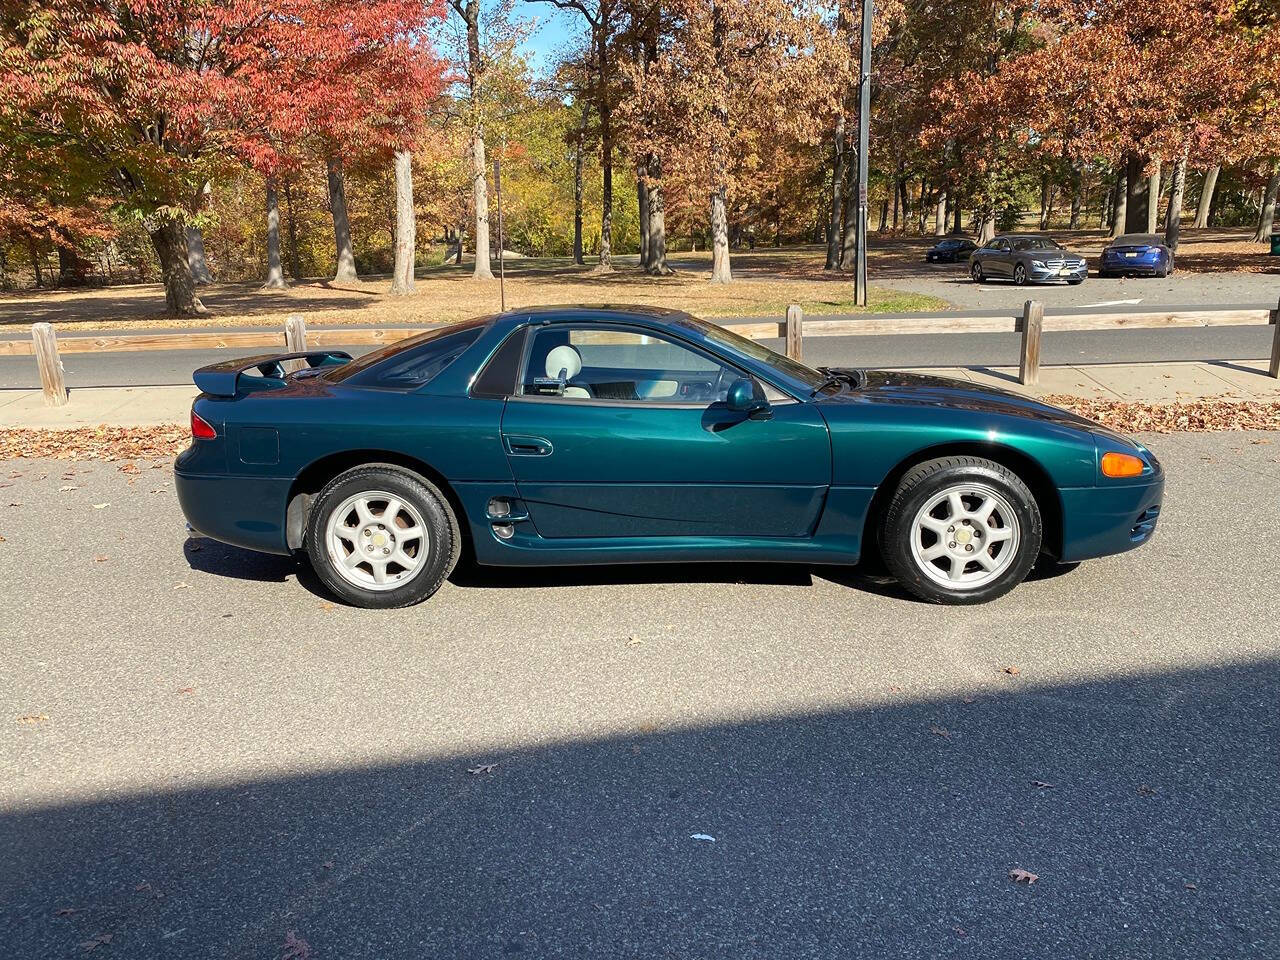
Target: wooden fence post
x=1032, y=327
x=295, y=339
x=50, y=366
x=1274, y=369
x=795, y=332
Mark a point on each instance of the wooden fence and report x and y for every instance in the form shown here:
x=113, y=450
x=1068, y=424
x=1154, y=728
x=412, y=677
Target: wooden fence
x=46, y=347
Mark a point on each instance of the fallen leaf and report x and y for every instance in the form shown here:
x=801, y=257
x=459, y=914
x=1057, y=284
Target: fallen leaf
x=1260, y=440
x=93, y=944
x=295, y=948
x=33, y=718
x=1146, y=791
x=68, y=488
x=1018, y=875
x=187, y=690
x=1, y=539
x=968, y=700
x=182, y=585
x=702, y=837
x=66, y=911
x=15, y=503
x=939, y=731
x=1041, y=785
x=634, y=641
x=328, y=864
x=483, y=768
x=195, y=548
x=101, y=559
x=1189, y=886
x=100, y=506
x=1012, y=671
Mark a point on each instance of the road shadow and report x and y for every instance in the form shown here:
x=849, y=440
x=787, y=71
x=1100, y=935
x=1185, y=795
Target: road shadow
x=1144, y=804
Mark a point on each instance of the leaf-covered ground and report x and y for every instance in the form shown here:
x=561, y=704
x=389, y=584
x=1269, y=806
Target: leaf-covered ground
x=159, y=443
x=1185, y=415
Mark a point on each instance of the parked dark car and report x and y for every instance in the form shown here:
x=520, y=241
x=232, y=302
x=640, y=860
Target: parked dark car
x=582, y=435
x=950, y=250
x=1136, y=254
x=1026, y=258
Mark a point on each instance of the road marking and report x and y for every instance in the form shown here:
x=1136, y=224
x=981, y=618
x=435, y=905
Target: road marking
x=1112, y=303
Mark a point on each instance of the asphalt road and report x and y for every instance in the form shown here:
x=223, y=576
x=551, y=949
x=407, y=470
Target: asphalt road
x=914, y=350
x=205, y=758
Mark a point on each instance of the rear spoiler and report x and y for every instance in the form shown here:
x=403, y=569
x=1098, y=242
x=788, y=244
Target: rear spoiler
x=222, y=379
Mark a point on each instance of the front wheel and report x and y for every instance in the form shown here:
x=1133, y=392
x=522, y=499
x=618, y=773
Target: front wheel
x=381, y=536
x=1020, y=276
x=961, y=530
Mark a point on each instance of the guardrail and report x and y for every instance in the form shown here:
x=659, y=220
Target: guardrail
x=1032, y=324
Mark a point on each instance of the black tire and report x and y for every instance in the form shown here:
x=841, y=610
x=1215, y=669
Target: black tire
x=975, y=271
x=1019, y=275
x=926, y=481
x=444, y=540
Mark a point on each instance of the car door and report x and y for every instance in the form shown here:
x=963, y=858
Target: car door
x=1001, y=260
x=622, y=431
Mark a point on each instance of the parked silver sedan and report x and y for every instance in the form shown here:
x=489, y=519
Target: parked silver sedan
x=1026, y=258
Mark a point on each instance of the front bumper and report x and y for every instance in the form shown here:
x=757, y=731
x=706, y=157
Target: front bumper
x=246, y=512
x=1049, y=274
x=1110, y=518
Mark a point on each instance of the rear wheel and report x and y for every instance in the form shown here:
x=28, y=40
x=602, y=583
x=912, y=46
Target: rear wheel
x=975, y=271
x=381, y=536
x=961, y=530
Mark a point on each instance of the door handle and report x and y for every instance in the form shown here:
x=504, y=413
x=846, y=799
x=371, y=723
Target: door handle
x=527, y=446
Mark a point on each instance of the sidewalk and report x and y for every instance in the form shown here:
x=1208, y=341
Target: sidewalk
x=1148, y=382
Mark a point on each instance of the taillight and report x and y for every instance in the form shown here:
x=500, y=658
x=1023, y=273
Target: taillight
x=200, y=428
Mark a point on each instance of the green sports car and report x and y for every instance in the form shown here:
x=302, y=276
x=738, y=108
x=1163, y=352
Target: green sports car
x=580, y=435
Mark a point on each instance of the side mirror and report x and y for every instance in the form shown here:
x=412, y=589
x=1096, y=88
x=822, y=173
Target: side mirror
x=742, y=397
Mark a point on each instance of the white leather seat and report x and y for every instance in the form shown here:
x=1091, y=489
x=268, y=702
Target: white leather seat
x=565, y=361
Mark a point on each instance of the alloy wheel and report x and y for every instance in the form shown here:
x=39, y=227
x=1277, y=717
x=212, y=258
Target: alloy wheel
x=965, y=536
x=377, y=540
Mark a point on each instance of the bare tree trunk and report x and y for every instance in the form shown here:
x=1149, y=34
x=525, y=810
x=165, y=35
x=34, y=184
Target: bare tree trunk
x=275, y=272
x=849, y=238
x=1207, y=187
x=1119, y=209
x=1076, y=198
x=720, y=270
x=656, y=250
x=1267, y=215
x=1153, y=199
x=987, y=227
x=834, y=237
x=295, y=263
x=940, y=215
x=34, y=252
x=958, y=215
x=1136, y=198
x=346, y=271
x=170, y=243
x=196, y=258
x=884, y=216
x=1044, y=200
x=480, y=200
x=642, y=206
x=406, y=225
x=1173, y=218
x=577, y=205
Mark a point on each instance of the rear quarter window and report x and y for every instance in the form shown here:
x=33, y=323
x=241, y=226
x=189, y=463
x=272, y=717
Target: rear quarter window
x=409, y=365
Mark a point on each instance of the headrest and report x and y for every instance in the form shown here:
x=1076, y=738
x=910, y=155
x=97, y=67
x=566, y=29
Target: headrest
x=566, y=358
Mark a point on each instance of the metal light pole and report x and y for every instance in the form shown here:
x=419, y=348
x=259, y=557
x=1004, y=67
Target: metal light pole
x=864, y=145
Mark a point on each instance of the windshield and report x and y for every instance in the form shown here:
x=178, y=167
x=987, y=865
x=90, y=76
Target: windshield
x=1136, y=240
x=756, y=351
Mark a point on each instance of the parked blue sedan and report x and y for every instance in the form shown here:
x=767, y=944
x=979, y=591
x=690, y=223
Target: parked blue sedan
x=575, y=435
x=1136, y=254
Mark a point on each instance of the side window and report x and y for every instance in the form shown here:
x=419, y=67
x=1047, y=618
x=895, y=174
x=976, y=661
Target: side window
x=610, y=363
